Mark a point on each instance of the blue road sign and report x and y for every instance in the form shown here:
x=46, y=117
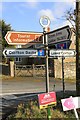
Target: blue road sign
x=62, y=45
x=41, y=53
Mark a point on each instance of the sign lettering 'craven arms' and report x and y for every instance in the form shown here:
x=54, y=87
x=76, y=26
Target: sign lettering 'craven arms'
x=23, y=38
x=59, y=35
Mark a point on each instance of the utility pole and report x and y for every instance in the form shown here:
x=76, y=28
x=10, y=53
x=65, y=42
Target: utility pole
x=78, y=48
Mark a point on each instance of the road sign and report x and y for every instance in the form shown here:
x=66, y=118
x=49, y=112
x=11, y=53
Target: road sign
x=70, y=103
x=62, y=45
x=46, y=99
x=62, y=53
x=23, y=38
x=41, y=53
x=59, y=35
x=19, y=52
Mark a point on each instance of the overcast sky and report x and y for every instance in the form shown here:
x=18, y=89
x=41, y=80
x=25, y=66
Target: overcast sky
x=24, y=16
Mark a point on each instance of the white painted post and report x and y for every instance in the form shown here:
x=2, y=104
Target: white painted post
x=12, y=68
x=76, y=114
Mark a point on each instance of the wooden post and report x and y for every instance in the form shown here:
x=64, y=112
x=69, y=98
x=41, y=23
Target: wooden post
x=33, y=66
x=78, y=48
x=12, y=68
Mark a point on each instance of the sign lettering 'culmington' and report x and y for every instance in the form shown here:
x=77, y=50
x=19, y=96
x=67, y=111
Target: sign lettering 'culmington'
x=60, y=53
x=23, y=38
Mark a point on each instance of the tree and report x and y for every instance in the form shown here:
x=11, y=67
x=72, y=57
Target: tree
x=70, y=15
x=4, y=29
x=74, y=18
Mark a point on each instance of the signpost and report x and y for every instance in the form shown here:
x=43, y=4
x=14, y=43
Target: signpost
x=23, y=38
x=23, y=53
x=60, y=38
x=45, y=21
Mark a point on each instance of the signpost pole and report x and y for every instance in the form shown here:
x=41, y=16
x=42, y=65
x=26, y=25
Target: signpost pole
x=76, y=114
x=49, y=113
x=47, y=71
x=46, y=49
x=45, y=21
x=63, y=75
x=63, y=72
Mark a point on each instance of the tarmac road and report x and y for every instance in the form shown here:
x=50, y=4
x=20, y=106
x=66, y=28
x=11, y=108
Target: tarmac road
x=20, y=89
x=20, y=85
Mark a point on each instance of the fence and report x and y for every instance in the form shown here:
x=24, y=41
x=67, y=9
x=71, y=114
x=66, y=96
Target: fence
x=29, y=70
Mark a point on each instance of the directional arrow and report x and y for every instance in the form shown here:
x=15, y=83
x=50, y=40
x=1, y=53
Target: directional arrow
x=69, y=34
x=4, y=53
x=23, y=38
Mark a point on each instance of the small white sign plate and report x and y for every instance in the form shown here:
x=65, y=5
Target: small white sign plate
x=62, y=53
x=70, y=103
x=19, y=52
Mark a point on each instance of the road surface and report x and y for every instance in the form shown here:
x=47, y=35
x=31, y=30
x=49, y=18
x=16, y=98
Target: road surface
x=20, y=85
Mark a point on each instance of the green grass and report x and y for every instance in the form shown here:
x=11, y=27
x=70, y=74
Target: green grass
x=31, y=110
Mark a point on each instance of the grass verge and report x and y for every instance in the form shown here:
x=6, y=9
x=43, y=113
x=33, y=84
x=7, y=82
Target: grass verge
x=31, y=111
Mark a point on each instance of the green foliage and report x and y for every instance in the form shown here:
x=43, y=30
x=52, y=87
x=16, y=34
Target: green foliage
x=4, y=29
x=31, y=111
